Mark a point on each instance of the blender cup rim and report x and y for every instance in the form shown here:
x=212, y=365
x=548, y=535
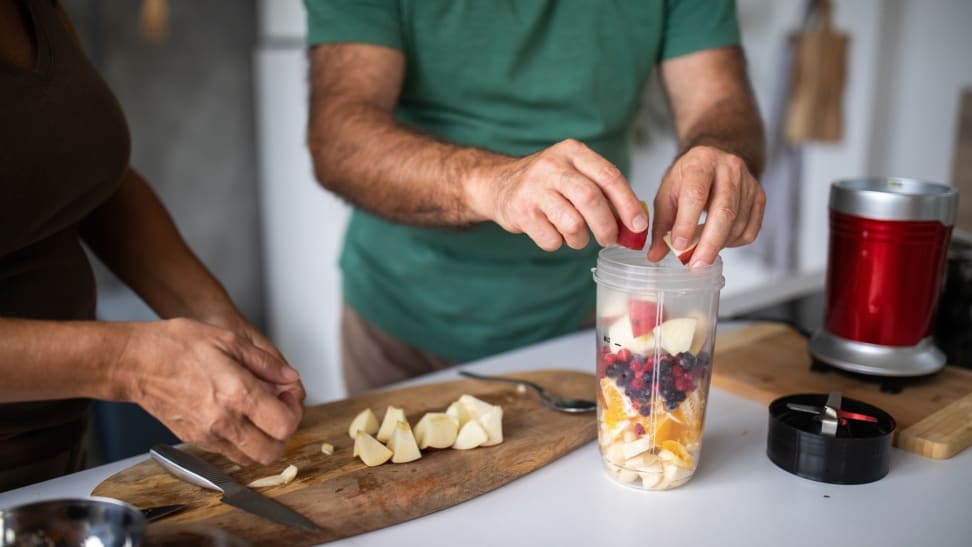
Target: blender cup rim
x=627, y=270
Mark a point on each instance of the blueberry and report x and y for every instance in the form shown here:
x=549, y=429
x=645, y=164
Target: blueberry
x=703, y=359
x=645, y=410
x=686, y=360
x=612, y=370
x=671, y=405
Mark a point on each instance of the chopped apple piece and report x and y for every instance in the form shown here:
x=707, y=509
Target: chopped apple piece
x=458, y=411
x=371, y=452
x=477, y=408
x=684, y=255
x=615, y=453
x=327, y=449
x=619, y=334
x=393, y=415
x=645, y=314
x=470, y=435
x=633, y=240
x=402, y=444
x=643, y=345
x=284, y=477
x=636, y=447
x=701, y=330
x=492, y=422
x=436, y=430
x=365, y=421
x=676, y=335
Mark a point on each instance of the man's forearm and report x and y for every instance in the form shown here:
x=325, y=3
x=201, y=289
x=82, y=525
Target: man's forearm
x=732, y=125
x=366, y=156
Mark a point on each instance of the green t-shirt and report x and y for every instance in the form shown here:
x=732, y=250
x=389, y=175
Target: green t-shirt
x=511, y=76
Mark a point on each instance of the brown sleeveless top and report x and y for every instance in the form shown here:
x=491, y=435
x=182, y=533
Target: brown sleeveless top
x=64, y=147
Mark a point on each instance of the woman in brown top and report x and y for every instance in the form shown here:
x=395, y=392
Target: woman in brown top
x=204, y=371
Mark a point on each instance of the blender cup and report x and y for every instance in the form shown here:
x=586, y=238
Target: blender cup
x=656, y=325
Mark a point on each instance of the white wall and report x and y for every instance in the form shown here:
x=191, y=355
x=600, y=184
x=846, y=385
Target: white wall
x=927, y=50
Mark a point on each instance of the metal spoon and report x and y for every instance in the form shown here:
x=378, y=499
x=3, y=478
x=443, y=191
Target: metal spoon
x=549, y=400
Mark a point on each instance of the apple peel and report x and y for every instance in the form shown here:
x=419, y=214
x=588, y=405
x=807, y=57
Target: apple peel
x=633, y=240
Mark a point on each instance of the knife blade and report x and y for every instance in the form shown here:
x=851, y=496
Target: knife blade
x=153, y=514
x=202, y=473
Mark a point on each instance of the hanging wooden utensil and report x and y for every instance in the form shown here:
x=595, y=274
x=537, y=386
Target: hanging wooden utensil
x=153, y=20
x=815, y=108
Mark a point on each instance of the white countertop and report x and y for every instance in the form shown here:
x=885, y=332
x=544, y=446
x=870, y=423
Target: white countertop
x=737, y=497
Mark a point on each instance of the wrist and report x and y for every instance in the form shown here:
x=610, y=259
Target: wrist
x=480, y=183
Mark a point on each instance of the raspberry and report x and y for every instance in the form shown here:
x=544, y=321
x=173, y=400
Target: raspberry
x=639, y=429
x=624, y=354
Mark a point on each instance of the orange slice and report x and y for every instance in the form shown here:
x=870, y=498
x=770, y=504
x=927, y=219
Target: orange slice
x=674, y=452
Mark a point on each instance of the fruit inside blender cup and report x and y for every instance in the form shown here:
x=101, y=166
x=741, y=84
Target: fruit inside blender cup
x=653, y=367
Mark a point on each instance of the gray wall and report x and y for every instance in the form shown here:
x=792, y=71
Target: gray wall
x=189, y=102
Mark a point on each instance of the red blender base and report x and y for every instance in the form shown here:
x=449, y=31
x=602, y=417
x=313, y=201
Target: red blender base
x=902, y=361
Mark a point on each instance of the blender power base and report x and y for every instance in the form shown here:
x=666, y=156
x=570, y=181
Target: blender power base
x=922, y=359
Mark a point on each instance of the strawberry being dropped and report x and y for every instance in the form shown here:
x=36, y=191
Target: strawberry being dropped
x=632, y=240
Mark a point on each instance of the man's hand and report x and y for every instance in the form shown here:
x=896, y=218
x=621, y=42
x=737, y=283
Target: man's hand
x=707, y=179
x=555, y=195
x=213, y=387
x=721, y=136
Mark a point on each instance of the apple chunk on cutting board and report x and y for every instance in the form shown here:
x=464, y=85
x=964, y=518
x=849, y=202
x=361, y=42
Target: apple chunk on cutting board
x=346, y=497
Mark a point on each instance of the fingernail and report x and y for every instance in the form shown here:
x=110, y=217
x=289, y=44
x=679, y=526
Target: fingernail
x=681, y=243
x=697, y=264
x=291, y=374
x=640, y=223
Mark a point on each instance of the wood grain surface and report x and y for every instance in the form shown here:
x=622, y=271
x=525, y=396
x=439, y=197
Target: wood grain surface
x=345, y=497
x=765, y=361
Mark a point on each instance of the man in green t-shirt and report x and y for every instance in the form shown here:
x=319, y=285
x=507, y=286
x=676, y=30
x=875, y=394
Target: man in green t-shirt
x=483, y=142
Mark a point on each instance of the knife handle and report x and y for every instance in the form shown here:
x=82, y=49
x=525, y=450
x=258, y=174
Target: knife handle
x=189, y=468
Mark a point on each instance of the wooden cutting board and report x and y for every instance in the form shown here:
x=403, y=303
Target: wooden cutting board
x=769, y=360
x=345, y=497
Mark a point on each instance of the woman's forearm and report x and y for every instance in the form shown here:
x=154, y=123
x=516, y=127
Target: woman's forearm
x=133, y=234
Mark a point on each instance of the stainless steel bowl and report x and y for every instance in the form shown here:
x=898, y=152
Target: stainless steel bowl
x=82, y=522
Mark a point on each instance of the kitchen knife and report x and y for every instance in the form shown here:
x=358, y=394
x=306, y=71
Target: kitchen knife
x=202, y=473
x=153, y=514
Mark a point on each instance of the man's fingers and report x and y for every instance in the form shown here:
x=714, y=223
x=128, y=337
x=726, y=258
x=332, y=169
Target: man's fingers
x=694, y=181
x=664, y=214
x=611, y=183
x=541, y=231
x=755, y=220
x=722, y=213
x=587, y=198
x=566, y=219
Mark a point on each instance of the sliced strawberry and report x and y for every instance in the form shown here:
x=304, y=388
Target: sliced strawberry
x=684, y=255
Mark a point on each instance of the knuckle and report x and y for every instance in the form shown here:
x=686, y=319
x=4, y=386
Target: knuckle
x=760, y=196
x=727, y=214
x=572, y=145
x=704, y=153
x=735, y=163
x=587, y=195
x=696, y=194
x=546, y=164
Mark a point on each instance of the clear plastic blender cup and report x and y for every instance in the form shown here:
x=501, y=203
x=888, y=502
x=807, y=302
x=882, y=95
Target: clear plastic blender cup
x=656, y=325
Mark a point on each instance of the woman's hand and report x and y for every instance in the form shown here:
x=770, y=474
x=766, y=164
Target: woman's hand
x=226, y=390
